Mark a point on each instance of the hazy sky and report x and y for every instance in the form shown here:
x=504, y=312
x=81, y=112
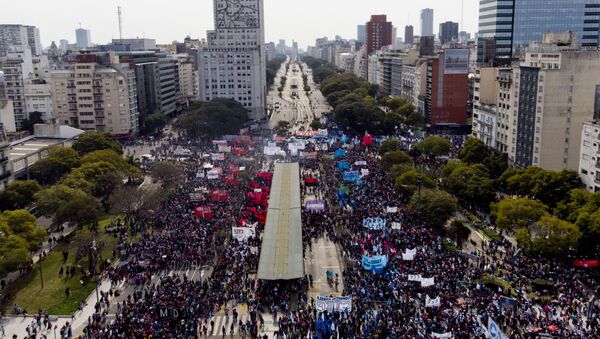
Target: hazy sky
x=165, y=21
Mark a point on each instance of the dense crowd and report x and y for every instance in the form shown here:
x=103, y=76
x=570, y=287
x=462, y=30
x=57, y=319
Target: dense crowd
x=384, y=303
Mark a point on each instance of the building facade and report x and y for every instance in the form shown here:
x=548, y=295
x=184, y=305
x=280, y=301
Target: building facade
x=427, y=22
x=38, y=98
x=447, y=88
x=361, y=33
x=589, y=162
x=233, y=64
x=379, y=33
x=83, y=38
x=94, y=97
x=18, y=69
x=507, y=27
x=554, y=95
x=448, y=32
x=20, y=36
x=409, y=35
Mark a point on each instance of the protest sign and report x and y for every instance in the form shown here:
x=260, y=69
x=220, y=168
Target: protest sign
x=432, y=302
x=341, y=304
x=374, y=223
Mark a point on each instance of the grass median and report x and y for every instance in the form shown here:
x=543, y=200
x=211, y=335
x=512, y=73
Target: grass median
x=27, y=291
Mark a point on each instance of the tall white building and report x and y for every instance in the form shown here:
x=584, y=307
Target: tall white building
x=427, y=22
x=83, y=38
x=233, y=63
x=20, y=36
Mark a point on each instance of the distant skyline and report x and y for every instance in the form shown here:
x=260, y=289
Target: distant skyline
x=175, y=19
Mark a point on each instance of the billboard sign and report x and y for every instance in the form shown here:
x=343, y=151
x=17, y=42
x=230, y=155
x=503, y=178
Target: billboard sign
x=456, y=61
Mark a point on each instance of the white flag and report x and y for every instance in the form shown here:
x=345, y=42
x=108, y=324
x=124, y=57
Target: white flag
x=408, y=256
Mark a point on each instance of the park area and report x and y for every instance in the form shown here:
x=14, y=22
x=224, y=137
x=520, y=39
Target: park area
x=27, y=292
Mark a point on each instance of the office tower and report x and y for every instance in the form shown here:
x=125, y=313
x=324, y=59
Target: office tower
x=20, y=36
x=448, y=32
x=361, y=33
x=63, y=45
x=281, y=48
x=96, y=95
x=379, y=33
x=427, y=22
x=426, y=46
x=233, y=63
x=503, y=34
x=394, y=35
x=409, y=34
x=83, y=38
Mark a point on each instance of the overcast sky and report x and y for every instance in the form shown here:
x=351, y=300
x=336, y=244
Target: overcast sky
x=166, y=21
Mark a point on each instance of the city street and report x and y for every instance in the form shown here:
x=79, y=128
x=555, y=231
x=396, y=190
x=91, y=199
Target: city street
x=294, y=105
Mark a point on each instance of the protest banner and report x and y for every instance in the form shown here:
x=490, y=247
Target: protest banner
x=408, y=256
x=341, y=304
x=360, y=163
x=414, y=277
x=224, y=149
x=351, y=176
x=374, y=223
x=396, y=226
x=391, y=209
x=364, y=172
x=212, y=175
x=315, y=205
x=375, y=263
x=442, y=335
x=243, y=233
x=217, y=156
x=432, y=302
x=426, y=282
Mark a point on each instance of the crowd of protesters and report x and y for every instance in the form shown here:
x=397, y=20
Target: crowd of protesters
x=384, y=303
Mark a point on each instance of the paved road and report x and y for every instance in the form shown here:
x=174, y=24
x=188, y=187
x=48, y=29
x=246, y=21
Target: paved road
x=294, y=105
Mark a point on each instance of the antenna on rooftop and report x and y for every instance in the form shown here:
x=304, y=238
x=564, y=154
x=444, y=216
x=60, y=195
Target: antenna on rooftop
x=462, y=15
x=120, y=23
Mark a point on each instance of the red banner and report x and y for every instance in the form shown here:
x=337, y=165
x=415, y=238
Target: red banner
x=586, y=263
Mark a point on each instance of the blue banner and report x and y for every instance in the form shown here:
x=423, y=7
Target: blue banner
x=343, y=165
x=340, y=153
x=352, y=176
x=374, y=223
x=376, y=263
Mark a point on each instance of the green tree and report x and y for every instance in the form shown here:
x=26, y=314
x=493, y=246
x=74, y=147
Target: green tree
x=395, y=158
x=389, y=145
x=480, y=191
x=395, y=103
x=99, y=179
x=408, y=183
x=459, y=232
x=434, y=206
x=94, y=141
x=22, y=224
x=60, y=161
x=123, y=166
x=65, y=204
x=474, y=151
x=517, y=213
x=414, y=119
x=433, y=147
x=316, y=124
x=155, y=121
x=213, y=118
x=398, y=170
x=33, y=119
x=19, y=194
x=550, y=236
x=14, y=253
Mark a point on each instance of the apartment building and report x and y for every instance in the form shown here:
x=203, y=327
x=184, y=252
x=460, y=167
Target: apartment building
x=95, y=97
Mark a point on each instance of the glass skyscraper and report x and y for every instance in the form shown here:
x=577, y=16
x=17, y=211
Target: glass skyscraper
x=507, y=26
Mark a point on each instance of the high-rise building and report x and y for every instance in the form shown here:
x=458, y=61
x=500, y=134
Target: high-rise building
x=20, y=36
x=506, y=27
x=233, y=64
x=394, y=35
x=554, y=95
x=18, y=69
x=94, y=97
x=448, y=32
x=281, y=48
x=409, y=34
x=83, y=38
x=379, y=33
x=427, y=22
x=63, y=45
x=447, y=88
x=361, y=33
